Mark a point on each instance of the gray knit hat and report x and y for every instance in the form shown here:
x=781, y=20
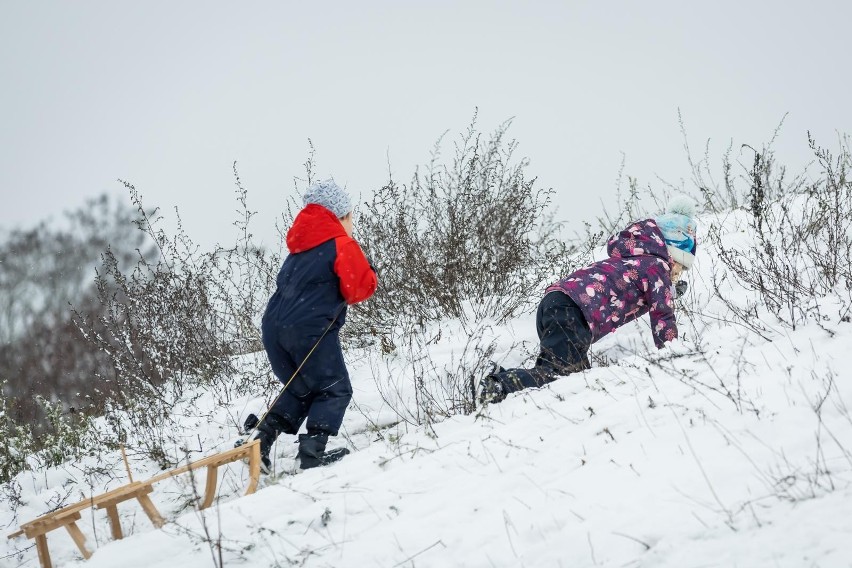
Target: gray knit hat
x=330, y=195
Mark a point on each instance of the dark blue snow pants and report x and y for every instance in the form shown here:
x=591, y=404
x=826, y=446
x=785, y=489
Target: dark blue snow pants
x=565, y=339
x=320, y=392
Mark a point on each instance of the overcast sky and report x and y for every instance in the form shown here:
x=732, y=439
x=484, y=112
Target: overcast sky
x=168, y=94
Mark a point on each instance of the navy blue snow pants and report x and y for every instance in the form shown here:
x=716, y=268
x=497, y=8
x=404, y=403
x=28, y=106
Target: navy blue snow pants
x=565, y=339
x=320, y=392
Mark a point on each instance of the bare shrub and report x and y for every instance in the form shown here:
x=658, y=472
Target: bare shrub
x=178, y=322
x=47, y=368
x=469, y=238
x=42, y=271
x=16, y=441
x=432, y=371
x=801, y=228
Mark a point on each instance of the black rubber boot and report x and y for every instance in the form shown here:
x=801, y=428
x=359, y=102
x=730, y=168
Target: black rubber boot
x=250, y=423
x=490, y=388
x=267, y=432
x=311, y=449
x=267, y=438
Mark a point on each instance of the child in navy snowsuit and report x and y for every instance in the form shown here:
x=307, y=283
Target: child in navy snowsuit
x=325, y=271
x=644, y=260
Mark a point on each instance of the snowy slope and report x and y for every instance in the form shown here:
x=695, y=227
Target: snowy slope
x=733, y=450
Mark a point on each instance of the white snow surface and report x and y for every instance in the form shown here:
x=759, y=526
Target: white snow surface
x=732, y=449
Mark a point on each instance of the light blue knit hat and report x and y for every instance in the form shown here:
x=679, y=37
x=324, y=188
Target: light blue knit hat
x=330, y=195
x=679, y=229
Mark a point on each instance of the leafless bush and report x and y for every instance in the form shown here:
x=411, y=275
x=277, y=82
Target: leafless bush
x=46, y=366
x=16, y=442
x=470, y=238
x=42, y=271
x=628, y=207
x=432, y=371
x=178, y=322
x=444, y=392
x=828, y=464
x=802, y=237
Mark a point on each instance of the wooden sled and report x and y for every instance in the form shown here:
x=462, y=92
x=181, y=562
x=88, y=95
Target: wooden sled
x=68, y=516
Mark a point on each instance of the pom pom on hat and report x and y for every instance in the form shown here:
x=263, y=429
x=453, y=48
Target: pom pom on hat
x=679, y=229
x=330, y=195
x=682, y=205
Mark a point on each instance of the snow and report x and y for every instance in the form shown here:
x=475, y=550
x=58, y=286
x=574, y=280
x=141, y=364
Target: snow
x=735, y=449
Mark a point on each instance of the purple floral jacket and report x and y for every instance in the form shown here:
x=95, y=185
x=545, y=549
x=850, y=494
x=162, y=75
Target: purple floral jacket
x=635, y=279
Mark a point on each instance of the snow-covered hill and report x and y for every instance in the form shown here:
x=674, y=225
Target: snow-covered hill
x=733, y=450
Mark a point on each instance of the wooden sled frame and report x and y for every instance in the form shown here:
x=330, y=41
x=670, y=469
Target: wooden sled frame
x=68, y=516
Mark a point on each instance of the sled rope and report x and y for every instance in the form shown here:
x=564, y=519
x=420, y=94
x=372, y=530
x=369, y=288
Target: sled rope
x=126, y=464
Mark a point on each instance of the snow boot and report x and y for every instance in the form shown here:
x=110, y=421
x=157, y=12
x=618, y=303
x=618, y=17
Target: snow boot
x=267, y=432
x=490, y=387
x=491, y=390
x=266, y=440
x=312, y=451
x=250, y=423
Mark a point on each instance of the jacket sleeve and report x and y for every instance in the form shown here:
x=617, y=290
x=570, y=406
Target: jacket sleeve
x=659, y=297
x=358, y=280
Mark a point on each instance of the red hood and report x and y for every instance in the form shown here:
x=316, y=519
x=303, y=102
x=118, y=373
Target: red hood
x=313, y=226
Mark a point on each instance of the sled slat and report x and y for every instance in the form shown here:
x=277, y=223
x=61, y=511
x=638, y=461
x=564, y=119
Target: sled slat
x=228, y=456
x=68, y=516
x=35, y=526
x=137, y=491
x=32, y=530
